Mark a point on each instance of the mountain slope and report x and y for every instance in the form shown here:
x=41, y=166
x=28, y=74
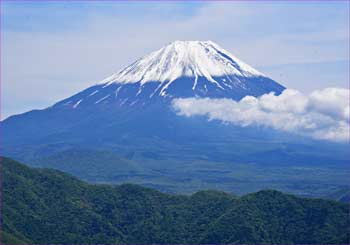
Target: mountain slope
x=47, y=206
x=342, y=195
x=91, y=165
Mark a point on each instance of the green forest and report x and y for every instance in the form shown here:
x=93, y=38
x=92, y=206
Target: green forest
x=46, y=206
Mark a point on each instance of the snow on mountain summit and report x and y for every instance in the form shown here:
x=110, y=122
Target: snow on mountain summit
x=181, y=69
x=184, y=58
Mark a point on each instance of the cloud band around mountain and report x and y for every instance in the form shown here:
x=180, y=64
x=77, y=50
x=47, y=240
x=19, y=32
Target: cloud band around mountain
x=323, y=114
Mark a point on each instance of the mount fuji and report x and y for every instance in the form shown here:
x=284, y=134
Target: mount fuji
x=129, y=116
x=137, y=100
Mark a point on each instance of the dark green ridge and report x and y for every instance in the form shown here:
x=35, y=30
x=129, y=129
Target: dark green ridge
x=45, y=206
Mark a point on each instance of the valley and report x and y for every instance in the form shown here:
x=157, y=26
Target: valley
x=188, y=176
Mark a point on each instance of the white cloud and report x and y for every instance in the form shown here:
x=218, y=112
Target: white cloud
x=323, y=114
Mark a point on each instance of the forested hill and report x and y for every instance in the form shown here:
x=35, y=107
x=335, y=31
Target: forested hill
x=47, y=206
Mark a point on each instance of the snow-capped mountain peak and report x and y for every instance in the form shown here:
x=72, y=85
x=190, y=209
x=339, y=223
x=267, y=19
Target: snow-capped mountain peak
x=178, y=70
x=183, y=58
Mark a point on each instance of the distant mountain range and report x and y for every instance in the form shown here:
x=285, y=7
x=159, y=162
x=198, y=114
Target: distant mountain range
x=44, y=206
x=127, y=126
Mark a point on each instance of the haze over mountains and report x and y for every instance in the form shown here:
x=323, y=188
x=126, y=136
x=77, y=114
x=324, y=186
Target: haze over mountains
x=129, y=128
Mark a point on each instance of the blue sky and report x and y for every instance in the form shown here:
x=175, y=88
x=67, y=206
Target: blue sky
x=51, y=50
